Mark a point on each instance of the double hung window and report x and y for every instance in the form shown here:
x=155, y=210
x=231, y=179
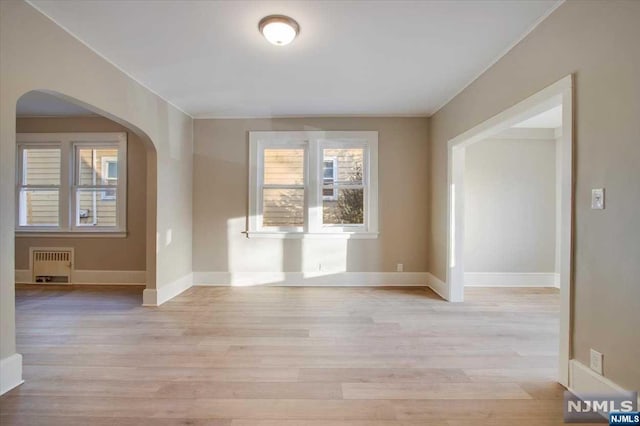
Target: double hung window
x=71, y=182
x=313, y=184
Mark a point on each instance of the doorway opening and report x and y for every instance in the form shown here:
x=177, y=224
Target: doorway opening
x=85, y=196
x=556, y=101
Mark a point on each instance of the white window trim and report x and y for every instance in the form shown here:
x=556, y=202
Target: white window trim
x=314, y=142
x=68, y=144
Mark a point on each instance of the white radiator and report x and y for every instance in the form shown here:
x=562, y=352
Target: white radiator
x=52, y=266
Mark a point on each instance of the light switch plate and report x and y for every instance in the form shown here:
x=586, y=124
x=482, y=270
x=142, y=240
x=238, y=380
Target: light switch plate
x=597, y=199
x=595, y=361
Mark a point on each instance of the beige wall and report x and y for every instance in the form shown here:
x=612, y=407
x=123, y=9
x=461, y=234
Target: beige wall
x=119, y=254
x=509, y=206
x=598, y=41
x=36, y=54
x=221, y=194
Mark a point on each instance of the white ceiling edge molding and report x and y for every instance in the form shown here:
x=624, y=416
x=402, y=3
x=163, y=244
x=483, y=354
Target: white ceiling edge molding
x=30, y=3
x=503, y=54
x=282, y=117
x=61, y=116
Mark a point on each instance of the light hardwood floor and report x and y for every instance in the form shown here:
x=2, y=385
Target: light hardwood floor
x=274, y=356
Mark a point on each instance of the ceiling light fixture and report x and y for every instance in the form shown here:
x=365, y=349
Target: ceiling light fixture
x=279, y=29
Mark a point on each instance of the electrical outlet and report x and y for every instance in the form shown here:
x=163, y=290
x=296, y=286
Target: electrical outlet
x=319, y=266
x=399, y=267
x=596, y=361
x=597, y=199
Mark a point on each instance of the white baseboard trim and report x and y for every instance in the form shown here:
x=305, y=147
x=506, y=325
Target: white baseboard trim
x=10, y=373
x=301, y=279
x=157, y=296
x=438, y=286
x=583, y=380
x=90, y=277
x=511, y=279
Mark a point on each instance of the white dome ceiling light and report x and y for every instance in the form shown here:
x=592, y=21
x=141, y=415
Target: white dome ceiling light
x=279, y=29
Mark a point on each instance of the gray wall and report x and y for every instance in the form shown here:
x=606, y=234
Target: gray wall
x=598, y=42
x=115, y=254
x=221, y=194
x=509, y=205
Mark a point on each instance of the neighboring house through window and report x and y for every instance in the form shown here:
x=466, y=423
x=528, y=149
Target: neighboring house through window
x=329, y=175
x=109, y=173
x=313, y=183
x=71, y=182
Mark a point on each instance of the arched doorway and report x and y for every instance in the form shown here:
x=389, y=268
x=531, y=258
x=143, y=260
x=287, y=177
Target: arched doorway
x=112, y=231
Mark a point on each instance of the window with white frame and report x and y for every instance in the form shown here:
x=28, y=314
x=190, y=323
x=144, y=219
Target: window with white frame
x=71, y=182
x=313, y=183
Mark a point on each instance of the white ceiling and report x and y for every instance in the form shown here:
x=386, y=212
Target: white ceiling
x=351, y=58
x=39, y=104
x=549, y=119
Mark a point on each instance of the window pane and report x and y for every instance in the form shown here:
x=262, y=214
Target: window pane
x=41, y=166
x=284, y=166
x=38, y=207
x=329, y=175
x=347, y=209
x=328, y=169
x=349, y=163
x=94, y=166
x=283, y=207
x=96, y=207
x=112, y=169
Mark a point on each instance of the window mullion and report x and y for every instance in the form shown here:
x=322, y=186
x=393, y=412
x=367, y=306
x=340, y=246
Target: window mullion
x=121, y=193
x=64, y=201
x=314, y=187
x=281, y=186
x=256, y=210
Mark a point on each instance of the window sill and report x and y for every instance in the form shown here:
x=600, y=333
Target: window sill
x=67, y=234
x=313, y=236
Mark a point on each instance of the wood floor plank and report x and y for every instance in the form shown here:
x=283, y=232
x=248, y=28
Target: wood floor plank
x=280, y=422
x=174, y=374
x=55, y=420
x=293, y=409
x=248, y=390
x=383, y=375
x=433, y=391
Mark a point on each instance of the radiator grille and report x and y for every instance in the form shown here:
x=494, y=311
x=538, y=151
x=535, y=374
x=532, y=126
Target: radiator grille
x=52, y=266
x=52, y=256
